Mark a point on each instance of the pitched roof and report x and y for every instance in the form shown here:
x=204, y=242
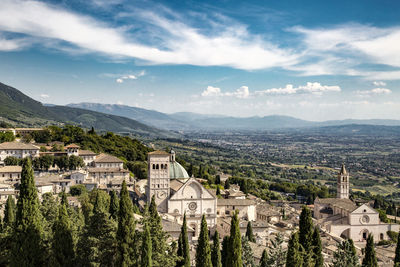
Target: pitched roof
x=159, y=152
x=235, y=202
x=7, y=169
x=95, y=170
x=72, y=146
x=175, y=184
x=106, y=158
x=343, y=203
x=86, y=153
x=17, y=146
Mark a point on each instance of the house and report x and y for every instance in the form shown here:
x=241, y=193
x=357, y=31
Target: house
x=18, y=150
x=10, y=173
x=107, y=161
x=245, y=207
x=87, y=156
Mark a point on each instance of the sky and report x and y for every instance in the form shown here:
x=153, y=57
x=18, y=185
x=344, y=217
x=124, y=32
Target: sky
x=314, y=60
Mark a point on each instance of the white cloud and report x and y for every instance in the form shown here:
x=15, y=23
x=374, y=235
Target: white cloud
x=221, y=45
x=375, y=91
x=119, y=80
x=309, y=88
x=128, y=77
x=44, y=96
x=242, y=92
x=379, y=83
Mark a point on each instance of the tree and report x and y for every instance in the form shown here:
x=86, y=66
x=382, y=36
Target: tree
x=218, y=179
x=28, y=248
x=9, y=212
x=397, y=257
x=114, y=205
x=146, y=260
x=183, y=245
x=249, y=233
x=345, y=255
x=126, y=229
x=234, y=258
x=277, y=255
x=247, y=253
x=370, y=258
x=45, y=162
x=63, y=243
x=225, y=251
x=75, y=162
x=317, y=248
x=12, y=161
x=218, y=193
x=294, y=258
x=306, y=233
x=203, y=252
x=215, y=251
x=264, y=261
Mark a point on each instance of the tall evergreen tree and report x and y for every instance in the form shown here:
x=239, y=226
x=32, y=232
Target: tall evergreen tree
x=294, y=258
x=370, y=258
x=215, y=251
x=397, y=257
x=225, y=251
x=146, y=256
x=9, y=212
x=306, y=229
x=183, y=245
x=247, y=253
x=317, y=247
x=345, y=255
x=249, y=233
x=203, y=252
x=264, y=261
x=277, y=255
x=234, y=258
x=63, y=243
x=126, y=229
x=28, y=248
x=114, y=205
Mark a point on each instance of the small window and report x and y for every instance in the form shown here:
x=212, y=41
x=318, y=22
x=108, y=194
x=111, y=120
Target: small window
x=157, y=167
x=381, y=236
x=365, y=210
x=154, y=166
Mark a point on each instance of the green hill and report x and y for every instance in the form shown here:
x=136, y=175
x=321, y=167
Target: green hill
x=21, y=110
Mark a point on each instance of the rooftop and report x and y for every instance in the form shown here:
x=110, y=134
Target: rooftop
x=176, y=171
x=343, y=203
x=8, y=169
x=107, y=170
x=235, y=202
x=106, y=158
x=159, y=152
x=86, y=153
x=72, y=146
x=17, y=146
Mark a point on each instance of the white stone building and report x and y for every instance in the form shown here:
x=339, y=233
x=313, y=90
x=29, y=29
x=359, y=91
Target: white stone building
x=18, y=150
x=342, y=217
x=246, y=208
x=10, y=173
x=176, y=193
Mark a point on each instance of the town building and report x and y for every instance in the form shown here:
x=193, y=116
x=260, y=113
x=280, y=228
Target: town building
x=18, y=150
x=10, y=173
x=343, y=218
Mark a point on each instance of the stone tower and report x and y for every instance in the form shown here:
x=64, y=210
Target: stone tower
x=158, y=179
x=343, y=184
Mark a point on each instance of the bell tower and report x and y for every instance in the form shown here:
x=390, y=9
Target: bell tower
x=158, y=179
x=343, y=184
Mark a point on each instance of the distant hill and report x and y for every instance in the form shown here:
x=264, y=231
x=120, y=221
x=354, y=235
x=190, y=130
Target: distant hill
x=356, y=129
x=21, y=110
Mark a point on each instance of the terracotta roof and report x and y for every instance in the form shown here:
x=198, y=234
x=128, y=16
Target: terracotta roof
x=10, y=169
x=106, y=158
x=235, y=202
x=267, y=210
x=159, y=152
x=72, y=146
x=107, y=170
x=8, y=192
x=18, y=146
x=343, y=203
x=86, y=153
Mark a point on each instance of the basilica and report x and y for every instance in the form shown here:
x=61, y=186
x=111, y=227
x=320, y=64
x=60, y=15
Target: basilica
x=342, y=217
x=176, y=193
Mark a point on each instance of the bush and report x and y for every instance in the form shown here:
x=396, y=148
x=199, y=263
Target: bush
x=384, y=243
x=77, y=190
x=393, y=235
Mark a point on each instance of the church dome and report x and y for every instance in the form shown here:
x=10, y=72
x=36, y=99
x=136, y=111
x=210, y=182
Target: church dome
x=176, y=171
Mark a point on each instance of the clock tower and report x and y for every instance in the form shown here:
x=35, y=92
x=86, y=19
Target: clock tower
x=343, y=183
x=158, y=179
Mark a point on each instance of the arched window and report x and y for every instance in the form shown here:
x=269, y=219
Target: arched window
x=154, y=166
x=157, y=167
x=381, y=236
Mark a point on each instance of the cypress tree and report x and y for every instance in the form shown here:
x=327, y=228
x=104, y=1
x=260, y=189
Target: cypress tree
x=345, y=255
x=225, y=251
x=126, y=229
x=218, y=193
x=247, y=253
x=264, y=259
x=216, y=252
x=397, y=257
x=293, y=257
x=317, y=247
x=249, y=233
x=234, y=258
x=146, y=256
x=63, y=244
x=9, y=212
x=28, y=248
x=114, y=205
x=203, y=252
x=370, y=258
x=183, y=245
x=306, y=228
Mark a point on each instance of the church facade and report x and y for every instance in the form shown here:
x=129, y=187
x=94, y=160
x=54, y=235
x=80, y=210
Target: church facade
x=342, y=217
x=176, y=193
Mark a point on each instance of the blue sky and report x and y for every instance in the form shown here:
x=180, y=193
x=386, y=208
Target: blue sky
x=315, y=60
